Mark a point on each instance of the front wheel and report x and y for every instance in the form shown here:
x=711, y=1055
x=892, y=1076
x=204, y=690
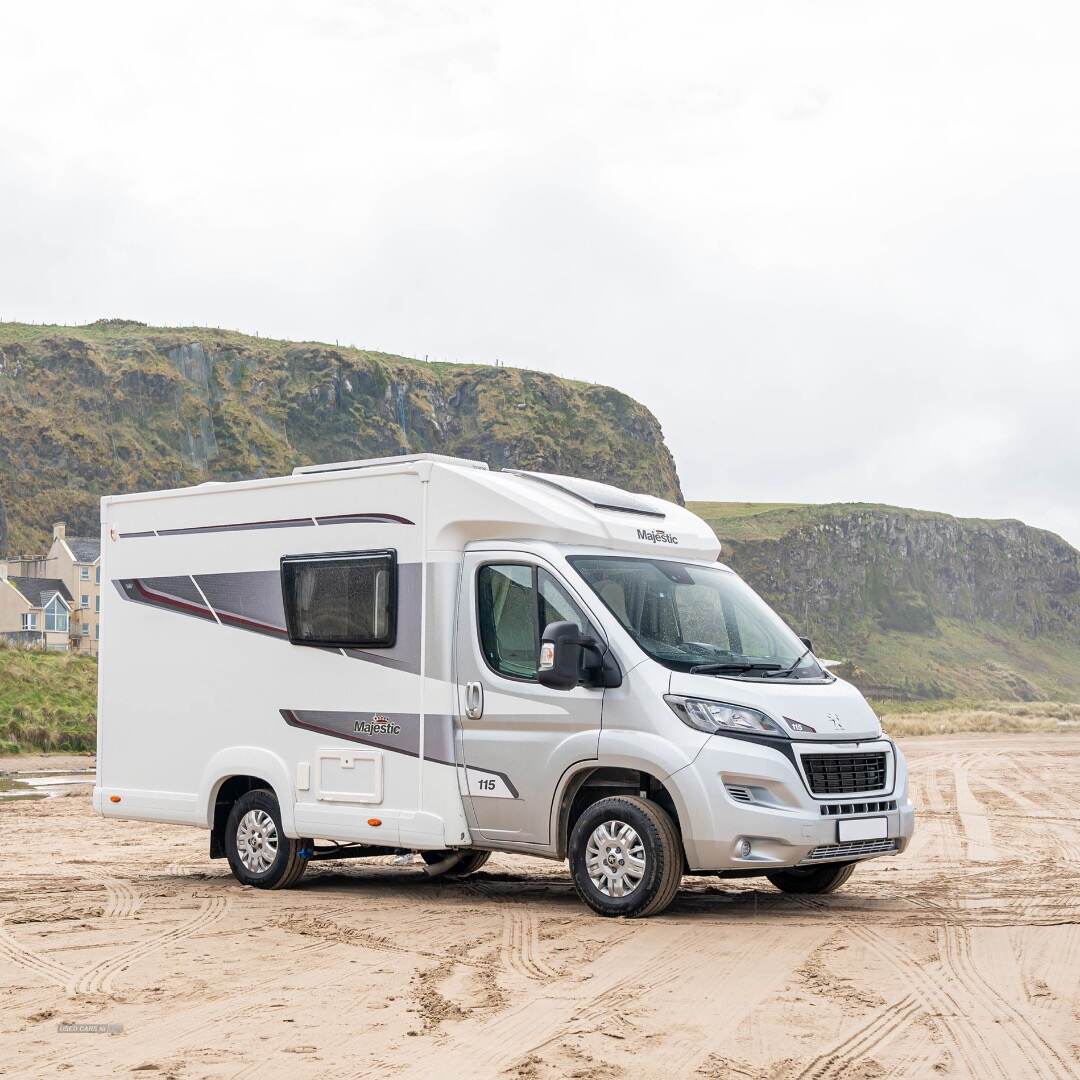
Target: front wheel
x=812, y=879
x=259, y=852
x=626, y=857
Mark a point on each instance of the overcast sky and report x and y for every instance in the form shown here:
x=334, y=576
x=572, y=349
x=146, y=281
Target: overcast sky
x=833, y=246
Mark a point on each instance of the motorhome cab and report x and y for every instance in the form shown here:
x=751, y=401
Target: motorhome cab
x=417, y=654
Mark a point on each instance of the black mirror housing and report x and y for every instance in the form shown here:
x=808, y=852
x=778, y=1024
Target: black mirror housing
x=560, y=663
x=806, y=642
x=567, y=659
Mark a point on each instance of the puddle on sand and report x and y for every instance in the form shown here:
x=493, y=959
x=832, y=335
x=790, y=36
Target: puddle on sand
x=42, y=786
x=16, y=789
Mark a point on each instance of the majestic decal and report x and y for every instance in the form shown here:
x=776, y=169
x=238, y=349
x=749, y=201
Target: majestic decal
x=657, y=536
x=377, y=725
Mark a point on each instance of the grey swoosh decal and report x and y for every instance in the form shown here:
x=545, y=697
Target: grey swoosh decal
x=438, y=730
x=438, y=734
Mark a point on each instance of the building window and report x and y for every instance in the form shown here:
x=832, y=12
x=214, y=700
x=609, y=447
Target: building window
x=97, y=575
x=84, y=600
x=343, y=601
x=29, y=620
x=84, y=573
x=56, y=616
x=85, y=629
x=97, y=603
x=97, y=630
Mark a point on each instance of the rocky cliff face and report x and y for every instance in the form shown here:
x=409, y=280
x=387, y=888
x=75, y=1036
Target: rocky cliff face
x=117, y=406
x=922, y=605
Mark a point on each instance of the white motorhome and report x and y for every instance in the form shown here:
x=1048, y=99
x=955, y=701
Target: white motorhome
x=416, y=654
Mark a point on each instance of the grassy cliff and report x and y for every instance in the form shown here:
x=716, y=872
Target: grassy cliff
x=118, y=406
x=923, y=605
x=48, y=701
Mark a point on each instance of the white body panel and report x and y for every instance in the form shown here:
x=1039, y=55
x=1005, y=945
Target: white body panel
x=199, y=682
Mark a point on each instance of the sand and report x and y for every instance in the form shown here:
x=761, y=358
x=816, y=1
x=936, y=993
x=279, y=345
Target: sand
x=960, y=958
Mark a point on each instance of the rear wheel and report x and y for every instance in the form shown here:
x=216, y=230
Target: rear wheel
x=259, y=852
x=626, y=857
x=812, y=879
x=471, y=861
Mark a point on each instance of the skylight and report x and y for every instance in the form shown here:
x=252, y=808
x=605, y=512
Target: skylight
x=600, y=496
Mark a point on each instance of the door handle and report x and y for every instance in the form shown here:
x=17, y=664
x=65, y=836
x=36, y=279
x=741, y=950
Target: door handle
x=474, y=700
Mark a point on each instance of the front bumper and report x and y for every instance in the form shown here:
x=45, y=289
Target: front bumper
x=738, y=790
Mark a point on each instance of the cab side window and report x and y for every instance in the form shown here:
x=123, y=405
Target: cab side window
x=515, y=603
x=556, y=605
x=507, y=605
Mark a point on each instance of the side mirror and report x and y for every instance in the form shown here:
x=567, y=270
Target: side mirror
x=806, y=642
x=567, y=659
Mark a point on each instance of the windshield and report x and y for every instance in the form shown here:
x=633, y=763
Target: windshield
x=697, y=617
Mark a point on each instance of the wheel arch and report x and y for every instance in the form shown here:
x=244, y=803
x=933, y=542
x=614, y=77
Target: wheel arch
x=236, y=770
x=590, y=781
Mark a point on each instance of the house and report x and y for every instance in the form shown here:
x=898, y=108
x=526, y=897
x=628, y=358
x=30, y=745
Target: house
x=71, y=570
x=76, y=561
x=35, y=611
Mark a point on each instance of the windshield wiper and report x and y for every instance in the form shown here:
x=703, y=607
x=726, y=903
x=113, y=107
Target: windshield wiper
x=716, y=669
x=788, y=670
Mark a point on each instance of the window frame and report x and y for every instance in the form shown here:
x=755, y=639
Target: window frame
x=29, y=620
x=61, y=612
x=534, y=568
x=84, y=573
x=336, y=557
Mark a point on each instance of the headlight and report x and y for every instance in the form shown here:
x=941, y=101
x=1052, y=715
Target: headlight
x=715, y=716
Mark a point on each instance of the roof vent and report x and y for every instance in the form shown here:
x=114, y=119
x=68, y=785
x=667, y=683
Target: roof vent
x=400, y=459
x=600, y=496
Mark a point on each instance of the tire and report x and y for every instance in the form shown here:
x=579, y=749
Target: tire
x=471, y=862
x=812, y=879
x=259, y=852
x=600, y=841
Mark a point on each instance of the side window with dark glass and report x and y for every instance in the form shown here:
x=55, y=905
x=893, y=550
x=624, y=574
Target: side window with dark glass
x=341, y=600
x=506, y=606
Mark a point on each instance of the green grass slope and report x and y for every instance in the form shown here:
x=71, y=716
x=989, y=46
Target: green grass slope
x=48, y=701
x=923, y=605
x=118, y=406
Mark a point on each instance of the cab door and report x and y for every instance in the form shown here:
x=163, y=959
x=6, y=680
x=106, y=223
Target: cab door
x=517, y=737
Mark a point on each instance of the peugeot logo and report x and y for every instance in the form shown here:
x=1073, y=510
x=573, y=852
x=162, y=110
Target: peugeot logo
x=834, y=719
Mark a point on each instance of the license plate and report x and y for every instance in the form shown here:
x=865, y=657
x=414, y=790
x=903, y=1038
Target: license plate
x=864, y=828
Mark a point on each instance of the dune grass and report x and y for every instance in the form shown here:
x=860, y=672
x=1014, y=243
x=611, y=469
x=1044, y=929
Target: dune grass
x=997, y=717
x=48, y=701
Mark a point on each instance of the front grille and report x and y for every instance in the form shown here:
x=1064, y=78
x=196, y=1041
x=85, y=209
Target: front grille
x=842, y=774
x=832, y=809
x=851, y=848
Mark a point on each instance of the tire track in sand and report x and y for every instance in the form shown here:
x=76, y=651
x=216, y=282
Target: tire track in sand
x=520, y=948
x=834, y=1063
x=1042, y=1056
x=99, y=977
x=939, y=1002
x=627, y=971
x=32, y=960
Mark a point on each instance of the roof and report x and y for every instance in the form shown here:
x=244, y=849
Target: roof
x=84, y=548
x=39, y=590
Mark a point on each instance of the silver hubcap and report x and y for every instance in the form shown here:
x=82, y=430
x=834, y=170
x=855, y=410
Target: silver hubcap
x=257, y=841
x=615, y=858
